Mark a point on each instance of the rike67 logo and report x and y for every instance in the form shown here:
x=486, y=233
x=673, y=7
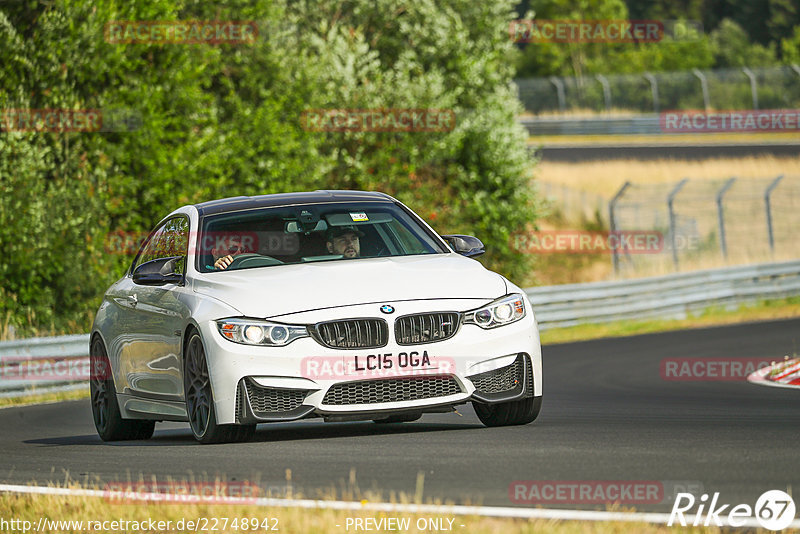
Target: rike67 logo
x=774, y=510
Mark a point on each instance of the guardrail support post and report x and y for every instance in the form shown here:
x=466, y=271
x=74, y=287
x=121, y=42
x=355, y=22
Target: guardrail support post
x=653, y=89
x=612, y=221
x=562, y=99
x=606, y=90
x=768, y=210
x=704, y=87
x=721, y=217
x=753, y=86
x=670, y=208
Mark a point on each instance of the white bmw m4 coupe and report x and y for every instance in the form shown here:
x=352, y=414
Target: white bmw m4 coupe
x=343, y=305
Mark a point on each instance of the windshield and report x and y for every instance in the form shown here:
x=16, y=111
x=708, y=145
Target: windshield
x=310, y=233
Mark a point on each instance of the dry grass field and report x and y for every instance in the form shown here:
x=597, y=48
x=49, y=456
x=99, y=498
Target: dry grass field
x=578, y=193
x=606, y=177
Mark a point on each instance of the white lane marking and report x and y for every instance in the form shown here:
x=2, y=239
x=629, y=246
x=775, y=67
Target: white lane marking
x=484, y=511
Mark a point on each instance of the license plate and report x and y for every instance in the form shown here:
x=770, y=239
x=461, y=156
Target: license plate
x=389, y=361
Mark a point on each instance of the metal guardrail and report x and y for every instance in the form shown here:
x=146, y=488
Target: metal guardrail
x=30, y=366
x=672, y=296
x=43, y=364
x=633, y=125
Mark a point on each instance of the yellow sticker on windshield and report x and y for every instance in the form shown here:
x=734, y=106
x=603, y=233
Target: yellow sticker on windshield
x=359, y=216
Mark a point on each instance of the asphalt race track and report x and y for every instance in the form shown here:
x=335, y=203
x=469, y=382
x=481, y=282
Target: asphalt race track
x=607, y=415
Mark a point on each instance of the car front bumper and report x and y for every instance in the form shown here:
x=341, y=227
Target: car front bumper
x=303, y=379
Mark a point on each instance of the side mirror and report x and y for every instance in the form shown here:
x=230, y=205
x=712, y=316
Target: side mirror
x=466, y=245
x=158, y=272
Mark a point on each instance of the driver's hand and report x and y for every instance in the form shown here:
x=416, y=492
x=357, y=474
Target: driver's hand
x=223, y=262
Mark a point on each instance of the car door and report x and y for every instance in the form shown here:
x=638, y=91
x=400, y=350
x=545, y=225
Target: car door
x=150, y=360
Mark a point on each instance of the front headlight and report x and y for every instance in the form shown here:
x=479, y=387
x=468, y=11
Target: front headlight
x=258, y=332
x=505, y=310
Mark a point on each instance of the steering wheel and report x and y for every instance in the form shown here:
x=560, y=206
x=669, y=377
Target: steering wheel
x=238, y=260
x=253, y=260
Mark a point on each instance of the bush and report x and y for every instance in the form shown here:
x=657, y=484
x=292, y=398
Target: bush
x=224, y=120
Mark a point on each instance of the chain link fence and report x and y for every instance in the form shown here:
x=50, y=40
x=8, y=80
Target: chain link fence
x=728, y=89
x=575, y=206
x=706, y=223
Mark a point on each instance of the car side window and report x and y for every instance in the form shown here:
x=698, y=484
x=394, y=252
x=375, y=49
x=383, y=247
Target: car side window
x=171, y=239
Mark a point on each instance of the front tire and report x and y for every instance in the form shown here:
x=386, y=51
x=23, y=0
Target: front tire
x=200, y=400
x=519, y=412
x=105, y=410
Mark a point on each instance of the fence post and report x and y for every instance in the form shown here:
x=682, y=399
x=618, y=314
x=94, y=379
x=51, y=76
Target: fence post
x=653, y=89
x=612, y=222
x=704, y=87
x=606, y=90
x=768, y=208
x=562, y=99
x=721, y=217
x=670, y=200
x=753, y=86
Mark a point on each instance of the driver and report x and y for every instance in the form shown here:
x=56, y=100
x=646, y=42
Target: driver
x=344, y=240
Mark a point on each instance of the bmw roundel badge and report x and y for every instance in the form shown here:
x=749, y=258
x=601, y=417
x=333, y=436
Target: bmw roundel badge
x=387, y=309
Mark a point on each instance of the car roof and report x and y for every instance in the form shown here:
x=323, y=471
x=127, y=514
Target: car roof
x=287, y=199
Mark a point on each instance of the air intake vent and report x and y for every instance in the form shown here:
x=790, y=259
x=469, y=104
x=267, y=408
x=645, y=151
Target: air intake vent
x=270, y=400
x=499, y=380
x=425, y=327
x=391, y=390
x=352, y=333
x=508, y=379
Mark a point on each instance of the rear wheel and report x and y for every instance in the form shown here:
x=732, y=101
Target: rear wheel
x=519, y=412
x=105, y=410
x=200, y=400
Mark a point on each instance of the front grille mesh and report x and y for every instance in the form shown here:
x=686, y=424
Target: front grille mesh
x=391, y=390
x=425, y=327
x=353, y=333
x=269, y=400
x=499, y=380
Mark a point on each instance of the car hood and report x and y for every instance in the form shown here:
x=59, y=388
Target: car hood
x=285, y=289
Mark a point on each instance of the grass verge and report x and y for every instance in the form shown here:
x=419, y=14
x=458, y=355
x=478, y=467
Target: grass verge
x=711, y=316
x=60, y=508
x=45, y=398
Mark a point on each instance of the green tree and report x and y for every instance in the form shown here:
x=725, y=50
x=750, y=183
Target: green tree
x=732, y=48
